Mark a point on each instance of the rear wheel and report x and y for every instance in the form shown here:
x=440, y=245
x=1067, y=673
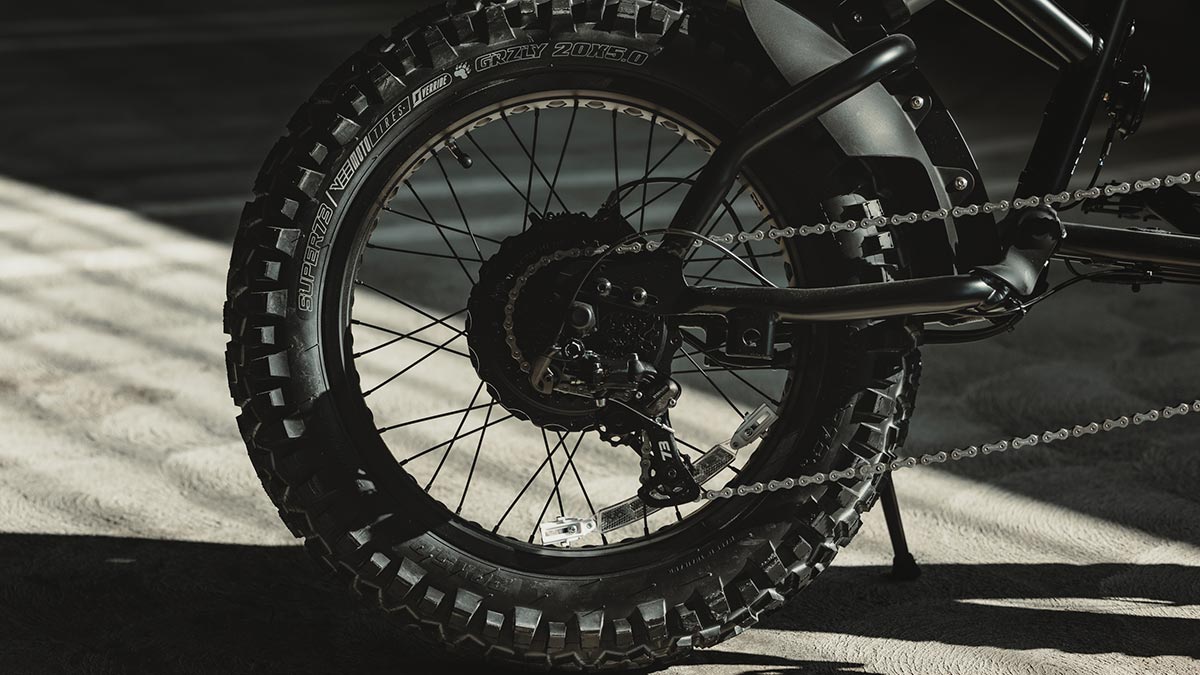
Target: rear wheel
x=379, y=418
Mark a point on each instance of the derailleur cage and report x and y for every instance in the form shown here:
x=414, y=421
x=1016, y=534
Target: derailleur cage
x=667, y=476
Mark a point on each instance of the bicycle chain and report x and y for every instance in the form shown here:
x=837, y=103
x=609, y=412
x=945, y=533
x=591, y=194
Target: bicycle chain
x=867, y=469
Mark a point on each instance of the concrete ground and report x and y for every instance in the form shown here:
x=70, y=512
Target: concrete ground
x=134, y=536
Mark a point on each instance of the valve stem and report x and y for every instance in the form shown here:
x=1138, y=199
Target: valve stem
x=464, y=160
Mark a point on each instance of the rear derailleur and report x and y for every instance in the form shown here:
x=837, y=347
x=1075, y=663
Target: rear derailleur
x=634, y=397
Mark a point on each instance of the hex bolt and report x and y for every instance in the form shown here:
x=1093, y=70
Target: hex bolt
x=573, y=349
x=961, y=183
x=582, y=317
x=916, y=102
x=638, y=296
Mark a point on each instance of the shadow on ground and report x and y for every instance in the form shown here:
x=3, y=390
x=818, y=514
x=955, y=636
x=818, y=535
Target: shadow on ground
x=116, y=605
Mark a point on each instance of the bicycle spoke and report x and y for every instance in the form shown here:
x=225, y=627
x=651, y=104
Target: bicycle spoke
x=442, y=234
x=409, y=305
x=478, y=429
x=708, y=231
x=737, y=222
x=533, y=165
x=457, y=431
x=525, y=489
x=405, y=336
x=562, y=155
x=649, y=148
x=555, y=491
x=756, y=390
x=716, y=388
x=680, y=141
x=664, y=193
x=586, y=497
x=697, y=278
x=462, y=214
x=409, y=367
x=616, y=156
x=524, y=197
x=393, y=249
x=700, y=350
x=688, y=445
x=434, y=417
x=557, y=479
x=401, y=338
x=440, y=226
x=474, y=460
x=716, y=369
x=773, y=254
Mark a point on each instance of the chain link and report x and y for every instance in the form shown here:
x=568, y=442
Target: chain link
x=868, y=469
x=1001, y=206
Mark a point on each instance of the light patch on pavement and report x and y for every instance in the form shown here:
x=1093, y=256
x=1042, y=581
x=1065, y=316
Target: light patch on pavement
x=1106, y=606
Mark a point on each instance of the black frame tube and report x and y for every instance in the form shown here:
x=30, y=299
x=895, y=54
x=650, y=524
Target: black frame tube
x=930, y=295
x=804, y=103
x=1070, y=111
x=1071, y=40
x=1178, y=252
x=987, y=14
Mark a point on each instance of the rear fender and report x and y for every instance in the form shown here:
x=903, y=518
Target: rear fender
x=919, y=152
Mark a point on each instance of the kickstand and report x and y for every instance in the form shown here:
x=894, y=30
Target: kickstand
x=904, y=566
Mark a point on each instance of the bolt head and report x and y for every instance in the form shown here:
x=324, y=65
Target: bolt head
x=858, y=18
x=916, y=102
x=638, y=295
x=603, y=286
x=961, y=183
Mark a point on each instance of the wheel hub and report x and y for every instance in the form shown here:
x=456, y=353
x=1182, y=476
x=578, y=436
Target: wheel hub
x=539, y=311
